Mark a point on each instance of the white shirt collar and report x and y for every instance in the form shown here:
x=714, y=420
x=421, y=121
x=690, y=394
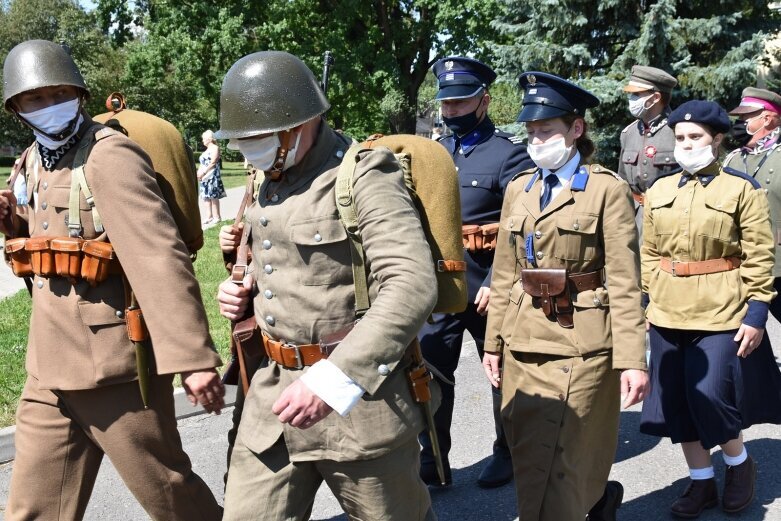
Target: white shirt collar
x=566, y=172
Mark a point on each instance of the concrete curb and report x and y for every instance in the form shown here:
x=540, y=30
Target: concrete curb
x=183, y=410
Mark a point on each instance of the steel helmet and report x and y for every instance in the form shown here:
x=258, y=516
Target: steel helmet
x=39, y=63
x=266, y=92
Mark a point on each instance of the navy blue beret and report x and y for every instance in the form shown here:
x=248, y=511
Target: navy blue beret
x=703, y=112
x=547, y=96
x=460, y=77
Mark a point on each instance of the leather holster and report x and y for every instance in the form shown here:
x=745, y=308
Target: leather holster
x=549, y=291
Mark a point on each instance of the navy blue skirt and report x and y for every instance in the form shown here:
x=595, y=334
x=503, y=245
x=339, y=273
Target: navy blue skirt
x=702, y=391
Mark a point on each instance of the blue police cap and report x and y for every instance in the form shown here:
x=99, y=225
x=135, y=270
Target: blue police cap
x=547, y=96
x=703, y=112
x=460, y=77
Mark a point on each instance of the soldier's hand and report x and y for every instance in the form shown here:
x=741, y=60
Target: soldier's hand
x=481, y=300
x=234, y=299
x=749, y=338
x=299, y=406
x=204, y=387
x=634, y=387
x=492, y=364
x=7, y=211
x=230, y=236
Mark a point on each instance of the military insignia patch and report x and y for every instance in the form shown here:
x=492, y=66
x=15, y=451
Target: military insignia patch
x=687, y=117
x=448, y=65
x=650, y=151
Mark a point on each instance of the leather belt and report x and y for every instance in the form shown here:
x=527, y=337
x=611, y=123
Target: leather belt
x=295, y=356
x=639, y=198
x=450, y=265
x=688, y=269
x=586, y=281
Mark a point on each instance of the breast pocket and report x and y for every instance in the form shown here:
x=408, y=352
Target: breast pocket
x=58, y=197
x=478, y=182
x=664, y=161
x=664, y=217
x=719, y=222
x=324, y=251
x=578, y=238
x=513, y=226
x=630, y=158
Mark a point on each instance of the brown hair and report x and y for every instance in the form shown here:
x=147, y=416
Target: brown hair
x=585, y=145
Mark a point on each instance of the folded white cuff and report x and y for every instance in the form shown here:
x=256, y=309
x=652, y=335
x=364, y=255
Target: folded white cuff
x=332, y=386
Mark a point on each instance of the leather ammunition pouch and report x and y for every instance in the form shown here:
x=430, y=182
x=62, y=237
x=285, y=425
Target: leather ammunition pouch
x=41, y=256
x=479, y=238
x=21, y=263
x=96, y=264
x=552, y=290
x=67, y=256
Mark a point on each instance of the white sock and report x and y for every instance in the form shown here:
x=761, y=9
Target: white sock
x=706, y=473
x=735, y=460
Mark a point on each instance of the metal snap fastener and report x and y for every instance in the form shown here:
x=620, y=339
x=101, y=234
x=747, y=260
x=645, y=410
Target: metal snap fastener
x=266, y=244
x=270, y=320
x=268, y=269
x=383, y=369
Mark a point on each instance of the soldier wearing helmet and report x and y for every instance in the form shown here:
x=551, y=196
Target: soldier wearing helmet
x=342, y=415
x=94, y=201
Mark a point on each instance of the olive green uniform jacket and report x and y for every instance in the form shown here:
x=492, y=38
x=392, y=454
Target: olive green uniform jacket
x=303, y=269
x=694, y=221
x=560, y=387
x=764, y=165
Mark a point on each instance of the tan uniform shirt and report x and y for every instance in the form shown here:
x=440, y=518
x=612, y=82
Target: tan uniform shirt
x=78, y=338
x=582, y=231
x=764, y=165
x=302, y=264
x=693, y=221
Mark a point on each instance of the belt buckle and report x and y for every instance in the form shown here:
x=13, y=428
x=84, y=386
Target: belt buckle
x=441, y=265
x=297, y=351
x=672, y=268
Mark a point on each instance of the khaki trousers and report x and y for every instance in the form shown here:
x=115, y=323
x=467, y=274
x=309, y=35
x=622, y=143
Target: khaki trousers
x=269, y=487
x=561, y=419
x=61, y=437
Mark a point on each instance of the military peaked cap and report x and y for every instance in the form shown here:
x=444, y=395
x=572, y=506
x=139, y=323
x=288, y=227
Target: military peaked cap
x=645, y=78
x=460, y=77
x=703, y=112
x=547, y=96
x=754, y=100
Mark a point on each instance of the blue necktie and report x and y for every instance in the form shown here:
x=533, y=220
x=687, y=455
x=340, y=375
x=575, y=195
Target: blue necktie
x=549, y=181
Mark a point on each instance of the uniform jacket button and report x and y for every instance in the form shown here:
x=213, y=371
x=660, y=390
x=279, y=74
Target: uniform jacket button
x=474, y=182
x=263, y=221
x=45, y=185
x=561, y=397
x=340, y=154
x=274, y=198
x=318, y=237
x=576, y=226
x=537, y=234
x=39, y=283
x=383, y=369
x=44, y=205
x=268, y=269
x=565, y=369
x=270, y=320
x=540, y=255
x=119, y=313
x=597, y=302
x=267, y=244
x=268, y=294
x=45, y=225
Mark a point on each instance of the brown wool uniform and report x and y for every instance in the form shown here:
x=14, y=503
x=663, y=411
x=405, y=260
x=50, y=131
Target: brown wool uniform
x=560, y=387
x=303, y=269
x=81, y=399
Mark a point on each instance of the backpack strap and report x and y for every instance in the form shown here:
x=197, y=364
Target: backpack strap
x=348, y=214
x=79, y=181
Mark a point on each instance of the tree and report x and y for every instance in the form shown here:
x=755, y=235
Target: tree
x=713, y=48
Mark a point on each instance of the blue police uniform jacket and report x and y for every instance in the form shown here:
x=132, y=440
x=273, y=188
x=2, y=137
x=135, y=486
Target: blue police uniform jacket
x=486, y=160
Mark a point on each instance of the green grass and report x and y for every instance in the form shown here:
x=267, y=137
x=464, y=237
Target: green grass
x=15, y=320
x=233, y=174
x=5, y=171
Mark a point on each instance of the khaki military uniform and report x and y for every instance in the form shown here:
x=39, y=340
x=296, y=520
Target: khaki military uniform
x=81, y=400
x=560, y=387
x=646, y=154
x=695, y=221
x=764, y=165
x=303, y=269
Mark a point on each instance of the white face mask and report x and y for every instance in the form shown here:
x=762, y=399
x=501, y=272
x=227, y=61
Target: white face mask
x=695, y=159
x=262, y=153
x=551, y=155
x=52, y=120
x=757, y=130
x=637, y=105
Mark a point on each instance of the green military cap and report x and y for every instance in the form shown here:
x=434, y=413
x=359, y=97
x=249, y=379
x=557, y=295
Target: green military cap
x=754, y=100
x=645, y=78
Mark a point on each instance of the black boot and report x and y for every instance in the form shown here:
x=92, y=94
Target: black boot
x=606, y=507
x=442, y=420
x=499, y=469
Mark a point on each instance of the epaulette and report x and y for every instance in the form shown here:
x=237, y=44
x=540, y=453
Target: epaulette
x=742, y=175
x=104, y=133
x=512, y=138
x=599, y=169
x=532, y=171
x=660, y=176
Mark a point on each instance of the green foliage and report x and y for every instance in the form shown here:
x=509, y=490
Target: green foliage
x=713, y=48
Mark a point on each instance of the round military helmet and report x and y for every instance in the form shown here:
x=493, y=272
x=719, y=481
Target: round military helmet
x=39, y=63
x=268, y=91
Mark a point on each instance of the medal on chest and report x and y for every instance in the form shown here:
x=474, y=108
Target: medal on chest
x=650, y=151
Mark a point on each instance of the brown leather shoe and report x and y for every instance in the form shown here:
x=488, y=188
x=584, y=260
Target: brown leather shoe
x=739, y=486
x=699, y=495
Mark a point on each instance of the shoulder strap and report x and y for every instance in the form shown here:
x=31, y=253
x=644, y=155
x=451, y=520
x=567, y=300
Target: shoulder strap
x=348, y=213
x=18, y=167
x=79, y=182
x=239, y=268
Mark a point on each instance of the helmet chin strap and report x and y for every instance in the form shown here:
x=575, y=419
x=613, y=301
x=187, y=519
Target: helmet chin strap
x=276, y=172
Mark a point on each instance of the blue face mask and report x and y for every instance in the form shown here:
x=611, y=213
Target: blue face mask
x=461, y=125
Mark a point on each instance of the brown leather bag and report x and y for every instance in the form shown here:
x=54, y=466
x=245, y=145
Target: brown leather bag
x=96, y=262
x=67, y=256
x=41, y=256
x=247, y=352
x=548, y=288
x=21, y=264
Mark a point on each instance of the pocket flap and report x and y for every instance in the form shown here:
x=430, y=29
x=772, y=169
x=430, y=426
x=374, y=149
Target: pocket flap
x=478, y=181
x=315, y=232
x=660, y=200
x=99, y=314
x=592, y=298
x=544, y=281
x=630, y=158
x=577, y=222
x=59, y=197
x=664, y=158
x=514, y=223
x=717, y=201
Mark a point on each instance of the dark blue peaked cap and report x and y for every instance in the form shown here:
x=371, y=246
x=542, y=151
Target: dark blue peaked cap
x=703, y=112
x=547, y=96
x=460, y=77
